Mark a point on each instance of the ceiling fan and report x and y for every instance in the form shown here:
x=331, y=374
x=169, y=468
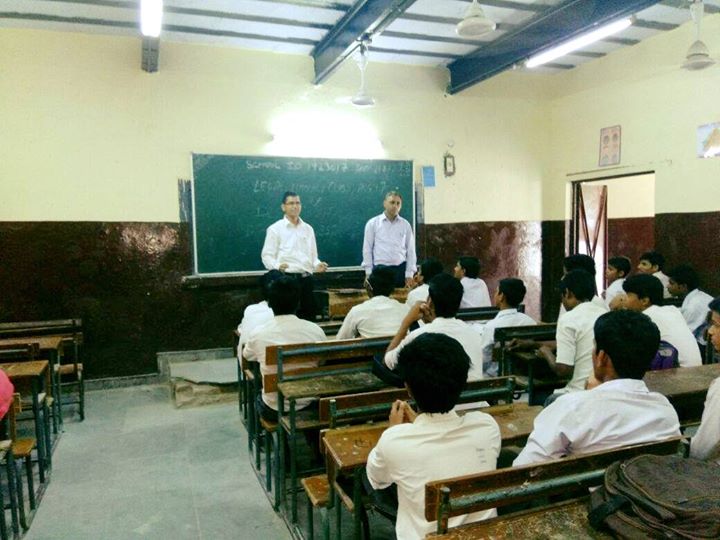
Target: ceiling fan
x=698, y=55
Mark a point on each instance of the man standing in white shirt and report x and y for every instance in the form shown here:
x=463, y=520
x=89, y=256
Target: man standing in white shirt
x=290, y=247
x=705, y=444
x=620, y=410
x=436, y=442
x=428, y=270
x=381, y=315
x=644, y=294
x=389, y=241
x=509, y=295
x=284, y=328
x=475, y=291
x=652, y=263
x=684, y=283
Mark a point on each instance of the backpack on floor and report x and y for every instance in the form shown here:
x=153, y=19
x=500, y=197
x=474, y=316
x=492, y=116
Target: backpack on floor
x=659, y=497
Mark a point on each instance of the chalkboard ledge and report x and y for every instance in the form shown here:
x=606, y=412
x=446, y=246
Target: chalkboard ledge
x=334, y=277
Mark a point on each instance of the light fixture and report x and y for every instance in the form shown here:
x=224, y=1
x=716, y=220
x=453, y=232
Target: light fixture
x=151, y=12
x=579, y=42
x=475, y=23
x=698, y=55
x=362, y=98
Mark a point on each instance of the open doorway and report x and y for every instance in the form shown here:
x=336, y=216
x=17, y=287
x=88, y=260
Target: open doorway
x=613, y=216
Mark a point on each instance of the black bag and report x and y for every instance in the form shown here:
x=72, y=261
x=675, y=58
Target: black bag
x=659, y=497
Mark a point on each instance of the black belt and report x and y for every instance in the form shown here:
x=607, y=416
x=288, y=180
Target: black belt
x=298, y=274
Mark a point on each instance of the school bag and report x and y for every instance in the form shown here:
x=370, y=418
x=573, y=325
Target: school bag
x=667, y=497
x=665, y=358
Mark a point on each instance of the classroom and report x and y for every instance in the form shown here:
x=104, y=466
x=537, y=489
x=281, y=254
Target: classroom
x=95, y=164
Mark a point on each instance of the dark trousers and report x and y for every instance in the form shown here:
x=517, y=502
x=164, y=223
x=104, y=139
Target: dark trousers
x=385, y=374
x=307, y=309
x=399, y=274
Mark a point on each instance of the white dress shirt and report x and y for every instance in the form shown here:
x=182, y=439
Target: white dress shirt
x=665, y=281
x=291, y=244
x=615, y=288
x=455, y=328
x=616, y=413
x=674, y=330
x=504, y=319
x=378, y=317
x=281, y=330
x=254, y=315
x=695, y=309
x=575, y=339
x=389, y=243
x=599, y=302
x=434, y=447
x=475, y=293
x=706, y=442
x=418, y=294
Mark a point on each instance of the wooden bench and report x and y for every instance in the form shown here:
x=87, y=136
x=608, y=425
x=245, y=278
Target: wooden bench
x=472, y=493
x=317, y=490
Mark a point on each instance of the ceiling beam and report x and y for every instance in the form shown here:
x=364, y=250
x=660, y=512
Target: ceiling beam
x=365, y=17
x=552, y=27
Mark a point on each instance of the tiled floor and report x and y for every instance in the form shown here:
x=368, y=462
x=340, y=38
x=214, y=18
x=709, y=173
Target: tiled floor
x=139, y=468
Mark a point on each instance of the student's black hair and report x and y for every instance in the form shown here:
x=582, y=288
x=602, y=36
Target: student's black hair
x=621, y=264
x=446, y=294
x=714, y=304
x=685, y=274
x=266, y=279
x=579, y=261
x=435, y=368
x=630, y=339
x=430, y=268
x=513, y=289
x=284, y=296
x=288, y=194
x=382, y=281
x=471, y=265
x=654, y=258
x=580, y=283
x=645, y=286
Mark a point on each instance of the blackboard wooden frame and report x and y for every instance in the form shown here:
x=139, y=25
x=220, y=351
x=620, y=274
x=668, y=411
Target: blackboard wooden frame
x=338, y=181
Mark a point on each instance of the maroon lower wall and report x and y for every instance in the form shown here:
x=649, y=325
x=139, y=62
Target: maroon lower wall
x=125, y=279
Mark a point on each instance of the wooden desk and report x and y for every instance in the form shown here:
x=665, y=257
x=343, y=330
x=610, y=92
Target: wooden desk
x=52, y=345
x=561, y=520
x=685, y=387
x=37, y=373
x=531, y=381
x=341, y=301
x=347, y=449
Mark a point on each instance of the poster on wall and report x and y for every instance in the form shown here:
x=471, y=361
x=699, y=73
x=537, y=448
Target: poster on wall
x=609, y=146
x=708, y=140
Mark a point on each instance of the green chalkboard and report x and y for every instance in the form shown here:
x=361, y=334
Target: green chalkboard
x=236, y=198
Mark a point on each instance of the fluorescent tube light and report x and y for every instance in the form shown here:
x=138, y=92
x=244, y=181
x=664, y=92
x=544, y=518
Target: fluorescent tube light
x=579, y=42
x=151, y=12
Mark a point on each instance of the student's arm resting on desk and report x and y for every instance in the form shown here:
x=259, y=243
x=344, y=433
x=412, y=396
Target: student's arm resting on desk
x=551, y=437
x=707, y=438
x=378, y=467
x=562, y=362
x=417, y=312
x=348, y=329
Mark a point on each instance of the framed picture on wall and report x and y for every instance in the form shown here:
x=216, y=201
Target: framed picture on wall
x=610, y=139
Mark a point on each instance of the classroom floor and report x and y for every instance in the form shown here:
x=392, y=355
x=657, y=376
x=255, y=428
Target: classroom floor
x=139, y=468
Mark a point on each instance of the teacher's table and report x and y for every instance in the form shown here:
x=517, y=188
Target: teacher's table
x=348, y=448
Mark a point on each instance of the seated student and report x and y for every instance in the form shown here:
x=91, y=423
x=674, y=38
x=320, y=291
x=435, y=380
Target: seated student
x=652, y=263
x=475, y=292
x=284, y=328
x=380, y=316
x=706, y=442
x=620, y=410
x=684, y=283
x=436, y=442
x=257, y=314
x=574, y=335
x=427, y=270
x=644, y=294
x=438, y=313
x=617, y=270
x=509, y=295
x=580, y=261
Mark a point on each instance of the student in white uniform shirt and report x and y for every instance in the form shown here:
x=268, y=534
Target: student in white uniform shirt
x=581, y=261
x=439, y=317
x=617, y=270
x=475, y=291
x=257, y=314
x=652, y=263
x=706, y=442
x=428, y=270
x=684, y=283
x=435, y=442
x=619, y=410
x=644, y=294
x=284, y=328
x=574, y=335
x=381, y=315
x=509, y=295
